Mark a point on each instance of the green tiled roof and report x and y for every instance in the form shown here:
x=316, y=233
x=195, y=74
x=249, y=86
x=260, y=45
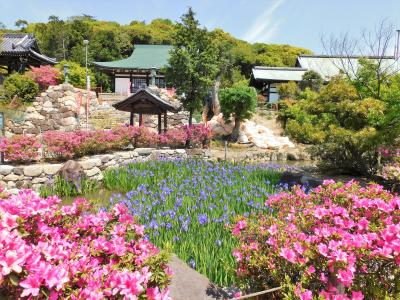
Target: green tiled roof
x=142, y=57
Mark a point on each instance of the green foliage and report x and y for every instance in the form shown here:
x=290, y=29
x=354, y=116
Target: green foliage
x=174, y=194
x=77, y=74
x=71, y=188
x=287, y=90
x=239, y=101
x=193, y=63
x=311, y=80
x=346, y=130
x=63, y=39
x=20, y=86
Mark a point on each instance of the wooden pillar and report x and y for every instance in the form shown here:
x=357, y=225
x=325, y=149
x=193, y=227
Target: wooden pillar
x=130, y=82
x=159, y=123
x=140, y=119
x=131, y=120
x=165, y=122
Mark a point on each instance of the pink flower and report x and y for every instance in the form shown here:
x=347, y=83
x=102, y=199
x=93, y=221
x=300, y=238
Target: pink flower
x=357, y=295
x=288, y=254
x=306, y=295
x=31, y=286
x=12, y=261
x=345, y=277
x=323, y=249
x=273, y=229
x=239, y=227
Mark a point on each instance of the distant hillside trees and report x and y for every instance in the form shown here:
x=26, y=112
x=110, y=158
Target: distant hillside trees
x=63, y=39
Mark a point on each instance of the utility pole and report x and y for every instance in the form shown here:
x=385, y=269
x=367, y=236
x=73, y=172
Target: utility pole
x=396, y=54
x=86, y=43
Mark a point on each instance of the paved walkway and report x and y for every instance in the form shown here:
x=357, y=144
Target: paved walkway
x=187, y=284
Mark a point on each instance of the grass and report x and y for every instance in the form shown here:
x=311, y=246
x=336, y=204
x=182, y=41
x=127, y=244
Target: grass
x=69, y=188
x=188, y=203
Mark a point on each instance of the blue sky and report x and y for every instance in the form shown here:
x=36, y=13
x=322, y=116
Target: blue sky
x=295, y=22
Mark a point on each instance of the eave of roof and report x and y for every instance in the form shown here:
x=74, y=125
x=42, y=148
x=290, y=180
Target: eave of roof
x=277, y=74
x=126, y=104
x=20, y=44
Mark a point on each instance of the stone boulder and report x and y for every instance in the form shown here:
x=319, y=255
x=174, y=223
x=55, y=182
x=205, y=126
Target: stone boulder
x=71, y=171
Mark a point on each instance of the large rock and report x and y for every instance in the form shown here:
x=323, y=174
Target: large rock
x=5, y=169
x=71, y=171
x=92, y=172
x=51, y=169
x=11, y=177
x=90, y=163
x=70, y=121
x=33, y=170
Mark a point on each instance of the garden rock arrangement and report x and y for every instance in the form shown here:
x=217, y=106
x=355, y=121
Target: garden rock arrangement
x=107, y=116
x=63, y=107
x=259, y=135
x=35, y=175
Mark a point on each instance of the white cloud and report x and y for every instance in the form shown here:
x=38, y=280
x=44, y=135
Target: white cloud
x=265, y=25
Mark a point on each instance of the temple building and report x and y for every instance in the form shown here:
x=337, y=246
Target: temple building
x=18, y=51
x=135, y=72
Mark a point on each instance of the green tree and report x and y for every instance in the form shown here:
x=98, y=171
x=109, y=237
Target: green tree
x=311, y=80
x=22, y=24
x=192, y=64
x=287, y=90
x=240, y=102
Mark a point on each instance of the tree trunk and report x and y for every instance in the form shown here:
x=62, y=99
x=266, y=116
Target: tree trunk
x=215, y=100
x=236, y=129
x=190, y=117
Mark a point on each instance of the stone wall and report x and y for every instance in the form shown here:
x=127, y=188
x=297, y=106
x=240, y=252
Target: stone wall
x=35, y=175
x=107, y=117
x=63, y=107
x=56, y=109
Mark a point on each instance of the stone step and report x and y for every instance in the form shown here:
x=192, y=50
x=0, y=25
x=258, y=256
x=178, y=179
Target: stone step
x=188, y=284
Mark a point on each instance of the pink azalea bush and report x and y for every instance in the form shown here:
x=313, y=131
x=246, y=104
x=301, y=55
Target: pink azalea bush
x=198, y=134
x=175, y=137
x=45, y=76
x=53, y=252
x=60, y=145
x=20, y=148
x=340, y=241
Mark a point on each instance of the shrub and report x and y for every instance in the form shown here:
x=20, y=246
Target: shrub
x=176, y=137
x=338, y=241
x=20, y=86
x=239, y=101
x=20, y=148
x=346, y=130
x=146, y=137
x=66, y=253
x=198, y=135
x=127, y=134
x=45, y=76
x=61, y=145
x=287, y=90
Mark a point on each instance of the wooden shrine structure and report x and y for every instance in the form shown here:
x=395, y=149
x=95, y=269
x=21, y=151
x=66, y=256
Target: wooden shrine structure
x=145, y=102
